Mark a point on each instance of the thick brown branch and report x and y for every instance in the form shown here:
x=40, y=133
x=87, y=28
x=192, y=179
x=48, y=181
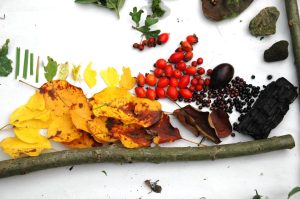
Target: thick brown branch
x=154, y=154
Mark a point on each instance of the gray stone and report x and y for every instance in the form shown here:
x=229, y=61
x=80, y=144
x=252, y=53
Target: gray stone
x=264, y=23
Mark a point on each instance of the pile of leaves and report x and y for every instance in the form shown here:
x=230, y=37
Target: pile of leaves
x=111, y=115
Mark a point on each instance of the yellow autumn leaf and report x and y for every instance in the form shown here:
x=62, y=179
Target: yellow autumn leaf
x=63, y=71
x=90, y=76
x=36, y=124
x=127, y=81
x=29, y=135
x=36, y=102
x=75, y=72
x=110, y=76
x=15, y=148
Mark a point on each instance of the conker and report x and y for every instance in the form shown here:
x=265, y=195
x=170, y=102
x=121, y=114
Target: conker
x=221, y=75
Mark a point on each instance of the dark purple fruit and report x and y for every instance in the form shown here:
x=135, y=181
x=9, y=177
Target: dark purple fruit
x=221, y=75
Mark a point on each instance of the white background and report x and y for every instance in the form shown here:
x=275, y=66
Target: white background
x=79, y=34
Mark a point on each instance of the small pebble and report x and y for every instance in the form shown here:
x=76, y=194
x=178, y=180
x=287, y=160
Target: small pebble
x=252, y=76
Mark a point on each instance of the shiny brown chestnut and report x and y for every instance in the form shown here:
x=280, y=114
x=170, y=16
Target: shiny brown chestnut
x=221, y=75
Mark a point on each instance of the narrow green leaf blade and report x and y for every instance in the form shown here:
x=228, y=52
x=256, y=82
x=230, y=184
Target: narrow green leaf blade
x=86, y=1
x=294, y=191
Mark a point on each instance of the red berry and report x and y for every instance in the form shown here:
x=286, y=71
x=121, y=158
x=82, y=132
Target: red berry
x=151, y=94
x=200, y=60
x=168, y=70
x=184, y=81
x=201, y=71
x=186, y=93
x=161, y=63
x=141, y=47
x=194, y=63
x=176, y=57
x=192, y=88
x=200, y=81
x=160, y=92
x=179, y=49
x=135, y=45
x=173, y=82
x=140, y=79
x=208, y=72
x=188, y=56
x=199, y=87
x=158, y=72
x=172, y=93
x=192, y=39
x=140, y=92
x=194, y=81
x=181, y=66
x=191, y=70
x=207, y=82
x=186, y=46
x=163, y=38
x=197, y=76
x=177, y=73
x=150, y=80
x=163, y=82
x=145, y=42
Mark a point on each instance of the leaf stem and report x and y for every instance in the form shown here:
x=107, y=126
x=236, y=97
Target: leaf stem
x=29, y=84
x=3, y=127
x=2, y=18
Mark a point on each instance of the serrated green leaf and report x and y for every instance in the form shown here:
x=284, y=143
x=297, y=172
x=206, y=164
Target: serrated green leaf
x=115, y=5
x=150, y=20
x=156, y=8
x=5, y=62
x=136, y=16
x=153, y=34
x=86, y=1
x=50, y=69
x=294, y=191
x=144, y=29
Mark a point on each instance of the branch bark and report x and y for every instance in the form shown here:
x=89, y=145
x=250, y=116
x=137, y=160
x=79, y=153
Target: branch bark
x=294, y=25
x=152, y=154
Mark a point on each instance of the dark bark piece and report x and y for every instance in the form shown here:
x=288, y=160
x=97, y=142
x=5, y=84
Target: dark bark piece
x=269, y=109
x=264, y=23
x=219, y=119
x=218, y=10
x=197, y=122
x=152, y=154
x=277, y=52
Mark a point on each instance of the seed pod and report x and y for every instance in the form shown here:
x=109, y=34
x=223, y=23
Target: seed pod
x=221, y=75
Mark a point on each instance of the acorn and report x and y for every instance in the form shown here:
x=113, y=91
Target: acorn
x=221, y=75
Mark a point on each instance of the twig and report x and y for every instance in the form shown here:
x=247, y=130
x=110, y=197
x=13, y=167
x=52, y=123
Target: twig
x=2, y=18
x=3, y=127
x=151, y=154
x=29, y=84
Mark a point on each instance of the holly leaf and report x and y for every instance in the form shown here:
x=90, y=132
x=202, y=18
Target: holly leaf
x=50, y=69
x=150, y=20
x=294, y=191
x=5, y=63
x=153, y=34
x=136, y=16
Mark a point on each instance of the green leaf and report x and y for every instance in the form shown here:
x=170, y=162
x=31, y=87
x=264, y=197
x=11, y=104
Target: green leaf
x=144, y=29
x=50, y=69
x=5, y=62
x=136, y=16
x=153, y=34
x=257, y=196
x=86, y=1
x=115, y=5
x=294, y=191
x=150, y=20
x=156, y=8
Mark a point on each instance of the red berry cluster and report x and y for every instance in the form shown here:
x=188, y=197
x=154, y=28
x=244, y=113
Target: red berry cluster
x=151, y=42
x=175, y=77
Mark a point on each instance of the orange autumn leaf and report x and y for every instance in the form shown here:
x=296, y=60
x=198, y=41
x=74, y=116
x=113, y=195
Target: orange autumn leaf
x=59, y=96
x=130, y=135
x=62, y=129
x=164, y=131
x=85, y=141
x=97, y=128
x=120, y=104
x=80, y=115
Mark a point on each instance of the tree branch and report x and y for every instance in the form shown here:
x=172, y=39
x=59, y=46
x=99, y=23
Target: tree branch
x=152, y=154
